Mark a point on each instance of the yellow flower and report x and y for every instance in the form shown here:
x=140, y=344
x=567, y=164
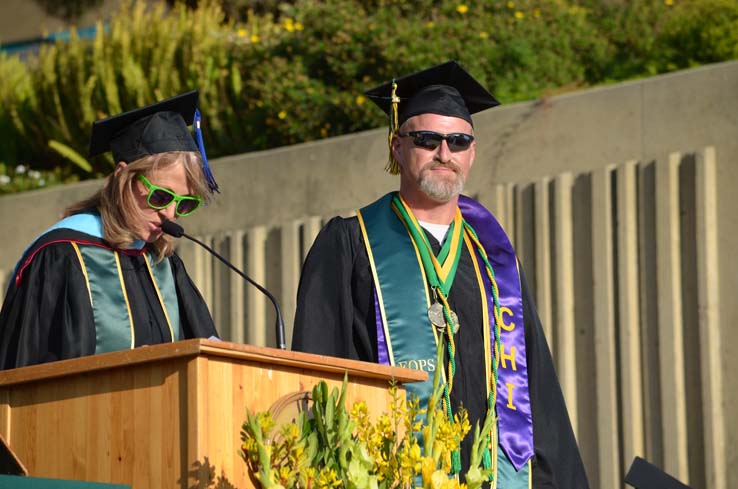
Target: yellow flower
x=519, y=14
x=299, y=26
x=483, y=35
x=511, y=5
x=328, y=478
x=323, y=132
x=360, y=99
x=291, y=431
x=284, y=473
x=289, y=25
x=428, y=467
x=282, y=114
x=254, y=38
x=438, y=479
x=242, y=32
x=430, y=24
x=410, y=462
x=462, y=9
x=536, y=12
x=266, y=422
x=668, y=3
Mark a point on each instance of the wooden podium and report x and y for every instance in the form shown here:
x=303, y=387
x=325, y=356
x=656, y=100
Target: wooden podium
x=164, y=416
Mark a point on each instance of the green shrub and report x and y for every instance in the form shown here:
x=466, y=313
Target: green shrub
x=699, y=32
x=296, y=71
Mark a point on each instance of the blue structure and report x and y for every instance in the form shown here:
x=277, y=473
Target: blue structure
x=31, y=46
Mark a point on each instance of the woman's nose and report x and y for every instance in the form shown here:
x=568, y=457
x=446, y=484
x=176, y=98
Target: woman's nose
x=169, y=212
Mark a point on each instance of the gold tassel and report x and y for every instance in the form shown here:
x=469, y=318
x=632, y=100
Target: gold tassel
x=393, y=166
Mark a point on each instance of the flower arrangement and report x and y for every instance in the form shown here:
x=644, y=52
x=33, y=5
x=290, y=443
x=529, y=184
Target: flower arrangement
x=330, y=446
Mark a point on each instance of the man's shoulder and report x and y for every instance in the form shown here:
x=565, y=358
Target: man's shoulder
x=342, y=221
x=340, y=228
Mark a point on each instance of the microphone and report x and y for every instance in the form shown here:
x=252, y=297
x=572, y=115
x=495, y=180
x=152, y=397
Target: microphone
x=174, y=229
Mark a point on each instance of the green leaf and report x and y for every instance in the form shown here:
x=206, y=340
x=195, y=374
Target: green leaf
x=71, y=155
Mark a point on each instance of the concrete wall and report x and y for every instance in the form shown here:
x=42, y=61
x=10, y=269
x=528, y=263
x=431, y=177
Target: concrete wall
x=620, y=202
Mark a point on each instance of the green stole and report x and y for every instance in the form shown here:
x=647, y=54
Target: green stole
x=403, y=299
x=110, y=306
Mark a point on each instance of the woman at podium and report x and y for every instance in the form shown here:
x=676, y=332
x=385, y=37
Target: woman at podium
x=105, y=277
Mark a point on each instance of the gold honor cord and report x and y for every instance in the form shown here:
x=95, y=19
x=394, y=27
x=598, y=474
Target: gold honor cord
x=487, y=460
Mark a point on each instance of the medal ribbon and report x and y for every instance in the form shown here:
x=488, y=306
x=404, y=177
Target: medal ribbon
x=440, y=271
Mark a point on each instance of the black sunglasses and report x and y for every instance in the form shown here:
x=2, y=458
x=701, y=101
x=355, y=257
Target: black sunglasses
x=457, y=141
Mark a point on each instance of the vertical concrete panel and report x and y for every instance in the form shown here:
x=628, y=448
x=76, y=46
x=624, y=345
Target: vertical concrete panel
x=708, y=272
x=221, y=310
x=273, y=281
x=185, y=249
x=500, y=201
x=629, y=329
x=671, y=334
x=581, y=199
x=525, y=234
x=256, y=301
x=204, y=271
x=290, y=269
x=610, y=466
x=238, y=285
x=649, y=313
x=690, y=320
x=311, y=228
x=566, y=356
x=543, y=255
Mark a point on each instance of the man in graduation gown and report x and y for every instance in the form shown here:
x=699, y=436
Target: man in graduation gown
x=105, y=278
x=426, y=265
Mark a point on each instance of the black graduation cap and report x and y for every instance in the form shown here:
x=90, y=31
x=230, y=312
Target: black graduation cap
x=156, y=128
x=446, y=89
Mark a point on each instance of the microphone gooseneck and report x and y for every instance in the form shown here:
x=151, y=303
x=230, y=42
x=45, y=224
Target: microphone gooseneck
x=174, y=229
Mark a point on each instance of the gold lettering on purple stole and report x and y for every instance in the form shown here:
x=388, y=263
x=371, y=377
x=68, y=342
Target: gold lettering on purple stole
x=510, y=389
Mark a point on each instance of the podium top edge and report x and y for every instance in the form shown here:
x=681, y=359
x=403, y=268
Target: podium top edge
x=210, y=349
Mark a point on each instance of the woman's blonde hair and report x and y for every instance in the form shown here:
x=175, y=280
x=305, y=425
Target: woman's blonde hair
x=116, y=202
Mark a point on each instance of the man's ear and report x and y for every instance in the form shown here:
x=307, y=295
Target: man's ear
x=119, y=167
x=395, y=147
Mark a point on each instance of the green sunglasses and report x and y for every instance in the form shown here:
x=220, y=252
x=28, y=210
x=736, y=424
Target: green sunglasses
x=160, y=198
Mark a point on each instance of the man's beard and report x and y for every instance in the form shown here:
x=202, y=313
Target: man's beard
x=441, y=188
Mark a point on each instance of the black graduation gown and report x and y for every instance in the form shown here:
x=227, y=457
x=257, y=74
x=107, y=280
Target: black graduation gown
x=335, y=316
x=49, y=316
